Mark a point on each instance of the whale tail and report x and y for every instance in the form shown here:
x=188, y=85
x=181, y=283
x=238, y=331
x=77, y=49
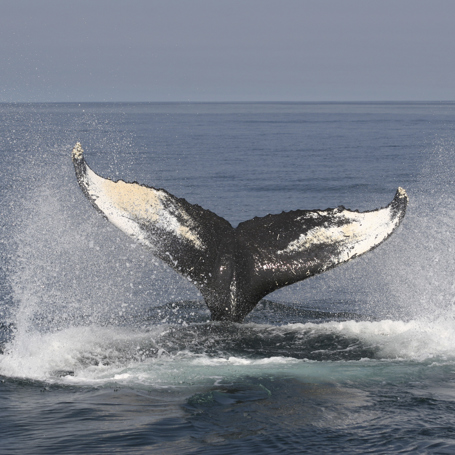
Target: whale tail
x=234, y=268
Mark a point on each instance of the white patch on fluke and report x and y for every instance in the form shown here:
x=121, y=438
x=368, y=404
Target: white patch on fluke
x=352, y=233
x=130, y=205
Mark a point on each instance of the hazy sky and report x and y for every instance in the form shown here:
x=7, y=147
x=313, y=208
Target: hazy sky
x=227, y=50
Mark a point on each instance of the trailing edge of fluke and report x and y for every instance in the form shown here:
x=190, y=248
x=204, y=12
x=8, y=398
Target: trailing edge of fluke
x=234, y=268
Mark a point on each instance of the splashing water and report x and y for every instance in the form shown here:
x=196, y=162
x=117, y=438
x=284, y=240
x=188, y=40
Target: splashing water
x=423, y=265
x=99, y=338
x=83, y=293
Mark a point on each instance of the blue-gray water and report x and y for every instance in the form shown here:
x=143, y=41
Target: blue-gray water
x=104, y=350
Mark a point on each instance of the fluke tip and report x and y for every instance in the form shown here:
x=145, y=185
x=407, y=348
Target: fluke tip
x=78, y=152
x=401, y=193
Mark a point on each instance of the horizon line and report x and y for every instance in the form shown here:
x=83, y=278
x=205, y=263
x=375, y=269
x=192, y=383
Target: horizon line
x=235, y=102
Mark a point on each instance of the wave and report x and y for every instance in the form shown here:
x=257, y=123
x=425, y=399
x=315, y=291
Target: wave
x=170, y=355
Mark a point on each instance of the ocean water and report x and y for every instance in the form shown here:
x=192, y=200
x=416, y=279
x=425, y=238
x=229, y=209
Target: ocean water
x=103, y=349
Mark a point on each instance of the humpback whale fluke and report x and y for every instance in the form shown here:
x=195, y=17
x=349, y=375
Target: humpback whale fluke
x=234, y=268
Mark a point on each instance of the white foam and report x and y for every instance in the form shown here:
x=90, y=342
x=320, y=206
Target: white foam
x=418, y=340
x=105, y=356
x=81, y=350
x=239, y=361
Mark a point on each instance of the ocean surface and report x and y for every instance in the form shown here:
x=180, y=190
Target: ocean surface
x=103, y=349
